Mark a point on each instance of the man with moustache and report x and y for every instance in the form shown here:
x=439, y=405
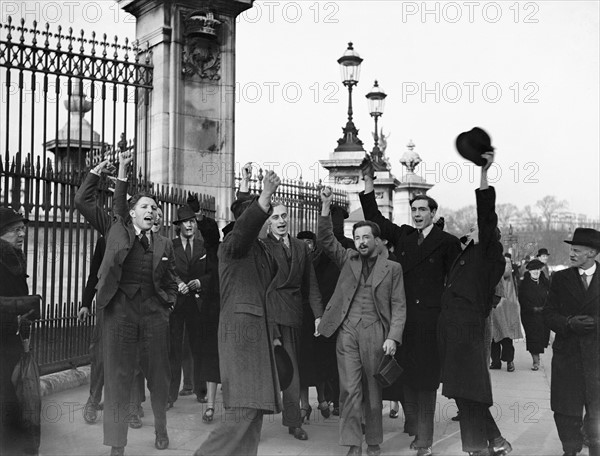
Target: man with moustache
x=368, y=307
x=572, y=311
x=426, y=254
x=295, y=281
x=190, y=266
x=136, y=289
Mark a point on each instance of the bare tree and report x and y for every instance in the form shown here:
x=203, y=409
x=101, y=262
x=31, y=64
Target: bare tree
x=505, y=212
x=531, y=218
x=460, y=221
x=549, y=206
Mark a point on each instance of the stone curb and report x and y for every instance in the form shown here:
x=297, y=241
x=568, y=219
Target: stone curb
x=64, y=380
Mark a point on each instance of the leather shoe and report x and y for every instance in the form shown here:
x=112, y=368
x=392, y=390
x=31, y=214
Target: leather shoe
x=510, y=366
x=135, y=422
x=90, y=414
x=457, y=417
x=186, y=392
x=496, y=366
x=298, y=433
x=500, y=446
x=393, y=413
x=424, y=451
x=162, y=441
x=169, y=405
x=202, y=399
x=117, y=451
x=354, y=451
x=373, y=450
x=413, y=445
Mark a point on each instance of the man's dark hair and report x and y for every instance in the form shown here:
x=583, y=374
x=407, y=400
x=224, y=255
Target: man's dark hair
x=433, y=205
x=374, y=227
x=138, y=196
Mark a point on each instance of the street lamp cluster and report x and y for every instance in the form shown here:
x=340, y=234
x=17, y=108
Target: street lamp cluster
x=350, y=71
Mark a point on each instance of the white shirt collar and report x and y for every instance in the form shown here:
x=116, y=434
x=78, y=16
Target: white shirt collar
x=589, y=271
x=427, y=230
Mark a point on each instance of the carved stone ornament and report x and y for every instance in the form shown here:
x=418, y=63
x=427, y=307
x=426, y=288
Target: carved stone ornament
x=202, y=58
x=346, y=180
x=379, y=195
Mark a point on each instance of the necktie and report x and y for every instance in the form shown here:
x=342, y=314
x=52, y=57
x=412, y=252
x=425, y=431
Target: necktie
x=421, y=238
x=584, y=280
x=188, y=250
x=144, y=240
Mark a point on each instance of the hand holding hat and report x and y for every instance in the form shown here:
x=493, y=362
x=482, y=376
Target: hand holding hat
x=367, y=169
x=473, y=144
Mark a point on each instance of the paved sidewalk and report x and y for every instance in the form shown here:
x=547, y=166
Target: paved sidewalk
x=522, y=410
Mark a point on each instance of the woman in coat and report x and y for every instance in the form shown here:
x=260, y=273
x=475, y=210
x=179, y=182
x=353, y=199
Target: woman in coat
x=532, y=296
x=16, y=437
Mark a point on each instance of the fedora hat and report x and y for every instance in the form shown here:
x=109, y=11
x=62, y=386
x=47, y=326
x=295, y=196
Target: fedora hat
x=285, y=369
x=543, y=252
x=472, y=144
x=9, y=216
x=184, y=213
x=587, y=237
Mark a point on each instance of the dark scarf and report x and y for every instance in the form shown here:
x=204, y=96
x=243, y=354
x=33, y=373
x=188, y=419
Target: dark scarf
x=13, y=258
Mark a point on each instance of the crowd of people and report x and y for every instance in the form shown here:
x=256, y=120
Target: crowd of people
x=267, y=315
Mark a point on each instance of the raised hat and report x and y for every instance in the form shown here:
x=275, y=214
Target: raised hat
x=285, y=369
x=241, y=203
x=543, y=252
x=184, y=213
x=473, y=144
x=587, y=237
x=534, y=264
x=8, y=216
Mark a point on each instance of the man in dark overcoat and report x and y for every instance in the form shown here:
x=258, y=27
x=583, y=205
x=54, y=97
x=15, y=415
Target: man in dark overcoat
x=248, y=371
x=136, y=289
x=192, y=276
x=572, y=311
x=368, y=307
x=426, y=254
x=294, y=283
x=466, y=303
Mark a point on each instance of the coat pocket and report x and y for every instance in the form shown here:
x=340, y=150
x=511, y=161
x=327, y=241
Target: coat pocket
x=249, y=308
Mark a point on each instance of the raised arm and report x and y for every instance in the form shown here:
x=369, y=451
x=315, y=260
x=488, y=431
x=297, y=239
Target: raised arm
x=487, y=220
x=87, y=203
x=325, y=237
x=389, y=230
x=247, y=227
x=120, y=198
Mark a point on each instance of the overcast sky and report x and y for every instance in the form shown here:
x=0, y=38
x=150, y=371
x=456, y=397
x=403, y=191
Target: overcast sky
x=527, y=72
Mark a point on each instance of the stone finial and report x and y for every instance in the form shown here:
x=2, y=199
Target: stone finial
x=410, y=159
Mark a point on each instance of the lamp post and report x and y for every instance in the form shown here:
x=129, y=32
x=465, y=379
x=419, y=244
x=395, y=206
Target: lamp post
x=376, y=99
x=350, y=71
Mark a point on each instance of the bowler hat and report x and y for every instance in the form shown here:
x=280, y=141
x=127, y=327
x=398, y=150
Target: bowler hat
x=8, y=216
x=307, y=235
x=534, y=264
x=587, y=237
x=337, y=210
x=473, y=144
x=285, y=369
x=543, y=252
x=184, y=213
x=241, y=203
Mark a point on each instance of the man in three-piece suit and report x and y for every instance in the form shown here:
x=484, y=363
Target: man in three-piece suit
x=369, y=308
x=426, y=254
x=572, y=311
x=192, y=277
x=136, y=289
x=295, y=282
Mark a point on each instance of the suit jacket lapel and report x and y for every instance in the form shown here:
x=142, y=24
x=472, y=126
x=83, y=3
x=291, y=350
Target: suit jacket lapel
x=380, y=270
x=593, y=292
x=158, y=248
x=356, y=266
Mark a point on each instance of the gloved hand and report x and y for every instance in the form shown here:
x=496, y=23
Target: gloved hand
x=581, y=324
